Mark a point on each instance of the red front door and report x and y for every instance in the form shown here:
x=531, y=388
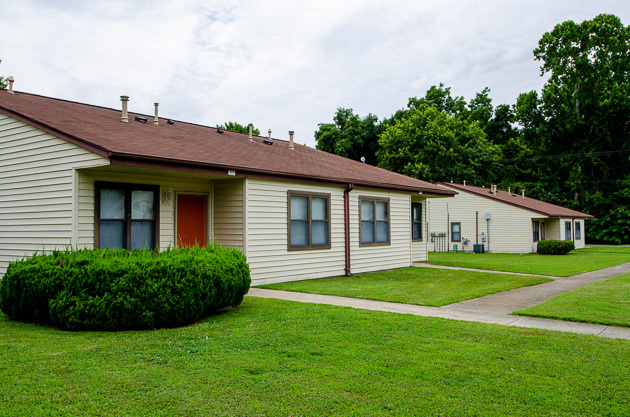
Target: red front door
x=191, y=220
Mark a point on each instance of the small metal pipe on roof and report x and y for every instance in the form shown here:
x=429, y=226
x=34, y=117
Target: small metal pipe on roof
x=291, y=132
x=523, y=192
x=125, y=117
x=155, y=118
x=270, y=134
x=251, y=132
x=10, y=90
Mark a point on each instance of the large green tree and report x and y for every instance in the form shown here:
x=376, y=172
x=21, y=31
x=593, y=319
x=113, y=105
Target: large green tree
x=585, y=112
x=350, y=136
x=434, y=146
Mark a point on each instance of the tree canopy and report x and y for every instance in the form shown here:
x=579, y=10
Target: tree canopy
x=350, y=136
x=237, y=127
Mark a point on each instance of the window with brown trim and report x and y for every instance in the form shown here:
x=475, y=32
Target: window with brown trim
x=309, y=220
x=416, y=221
x=578, y=231
x=536, y=227
x=126, y=216
x=456, y=232
x=374, y=217
x=567, y=231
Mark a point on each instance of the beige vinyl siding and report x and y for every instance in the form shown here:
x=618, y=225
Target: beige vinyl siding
x=228, y=213
x=267, y=235
x=166, y=180
x=580, y=243
x=37, y=179
x=554, y=229
x=381, y=257
x=419, y=249
x=511, y=229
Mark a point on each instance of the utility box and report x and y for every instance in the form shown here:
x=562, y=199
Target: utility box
x=478, y=248
x=454, y=248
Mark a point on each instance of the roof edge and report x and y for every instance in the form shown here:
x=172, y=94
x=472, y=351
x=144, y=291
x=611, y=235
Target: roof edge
x=56, y=132
x=463, y=188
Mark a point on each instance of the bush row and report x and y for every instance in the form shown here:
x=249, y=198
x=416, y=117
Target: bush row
x=555, y=247
x=119, y=289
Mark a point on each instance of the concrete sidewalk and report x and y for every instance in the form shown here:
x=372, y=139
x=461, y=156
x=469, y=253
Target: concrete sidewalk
x=493, y=308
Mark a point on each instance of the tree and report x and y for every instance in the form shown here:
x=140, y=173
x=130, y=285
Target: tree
x=350, y=136
x=585, y=109
x=237, y=127
x=434, y=146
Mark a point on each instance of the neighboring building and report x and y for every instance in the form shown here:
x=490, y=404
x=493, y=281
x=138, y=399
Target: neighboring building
x=78, y=175
x=499, y=220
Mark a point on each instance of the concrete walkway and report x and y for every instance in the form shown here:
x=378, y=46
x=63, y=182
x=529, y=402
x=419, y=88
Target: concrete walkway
x=493, y=308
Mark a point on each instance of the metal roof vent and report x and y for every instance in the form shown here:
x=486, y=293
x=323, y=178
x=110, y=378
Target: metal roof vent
x=11, y=81
x=268, y=141
x=155, y=118
x=140, y=119
x=291, y=132
x=125, y=117
x=220, y=131
x=170, y=122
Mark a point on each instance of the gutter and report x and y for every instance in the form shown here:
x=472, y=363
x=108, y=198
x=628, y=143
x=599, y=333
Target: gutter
x=346, y=221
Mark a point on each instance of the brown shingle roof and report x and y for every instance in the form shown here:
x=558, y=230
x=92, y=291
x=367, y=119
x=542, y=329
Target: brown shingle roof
x=517, y=200
x=185, y=144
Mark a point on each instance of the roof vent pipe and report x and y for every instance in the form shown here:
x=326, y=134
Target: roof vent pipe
x=523, y=192
x=251, y=130
x=155, y=118
x=291, y=132
x=11, y=80
x=270, y=134
x=509, y=190
x=125, y=116
x=464, y=183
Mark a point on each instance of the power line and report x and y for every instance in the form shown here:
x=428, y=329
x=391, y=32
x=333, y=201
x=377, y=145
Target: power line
x=568, y=155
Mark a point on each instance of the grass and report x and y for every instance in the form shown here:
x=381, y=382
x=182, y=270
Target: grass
x=421, y=286
x=278, y=358
x=606, y=302
x=575, y=262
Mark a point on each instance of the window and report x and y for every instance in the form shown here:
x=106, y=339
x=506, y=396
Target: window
x=416, y=220
x=374, y=214
x=542, y=231
x=578, y=231
x=309, y=221
x=456, y=235
x=126, y=216
x=567, y=230
x=536, y=226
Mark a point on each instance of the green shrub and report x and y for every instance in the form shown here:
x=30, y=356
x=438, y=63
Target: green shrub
x=555, y=247
x=118, y=289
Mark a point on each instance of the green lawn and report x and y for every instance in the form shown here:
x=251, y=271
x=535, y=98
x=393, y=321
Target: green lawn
x=575, y=262
x=421, y=286
x=278, y=358
x=606, y=302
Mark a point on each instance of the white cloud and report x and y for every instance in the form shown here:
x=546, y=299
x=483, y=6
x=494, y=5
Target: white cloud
x=279, y=64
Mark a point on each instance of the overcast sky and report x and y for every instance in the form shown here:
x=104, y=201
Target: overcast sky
x=282, y=65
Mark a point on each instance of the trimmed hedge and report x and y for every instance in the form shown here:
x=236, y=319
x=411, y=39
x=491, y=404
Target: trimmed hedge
x=118, y=289
x=555, y=247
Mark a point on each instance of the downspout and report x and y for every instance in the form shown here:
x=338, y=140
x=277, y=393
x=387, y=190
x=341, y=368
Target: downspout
x=477, y=227
x=346, y=221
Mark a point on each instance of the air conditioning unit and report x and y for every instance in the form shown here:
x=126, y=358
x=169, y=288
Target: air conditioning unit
x=478, y=248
